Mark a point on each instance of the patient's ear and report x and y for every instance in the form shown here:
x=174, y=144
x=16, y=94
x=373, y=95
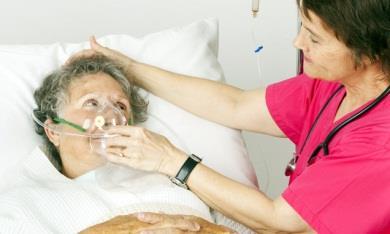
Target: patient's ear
x=53, y=136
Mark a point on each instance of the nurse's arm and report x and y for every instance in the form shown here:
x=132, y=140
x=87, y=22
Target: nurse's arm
x=221, y=103
x=244, y=204
x=215, y=101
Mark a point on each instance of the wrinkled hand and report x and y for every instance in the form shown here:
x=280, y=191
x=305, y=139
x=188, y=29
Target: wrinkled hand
x=124, y=61
x=142, y=149
x=133, y=224
x=204, y=227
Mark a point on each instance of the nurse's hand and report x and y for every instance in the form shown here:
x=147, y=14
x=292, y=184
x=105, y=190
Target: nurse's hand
x=142, y=149
x=124, y=61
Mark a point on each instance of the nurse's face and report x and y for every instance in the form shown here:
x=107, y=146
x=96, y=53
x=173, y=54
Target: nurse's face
x=325, y=57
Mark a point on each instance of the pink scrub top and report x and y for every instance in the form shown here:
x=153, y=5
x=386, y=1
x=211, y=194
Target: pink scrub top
x=347, y=191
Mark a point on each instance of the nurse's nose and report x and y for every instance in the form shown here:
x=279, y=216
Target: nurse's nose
x=299, y=41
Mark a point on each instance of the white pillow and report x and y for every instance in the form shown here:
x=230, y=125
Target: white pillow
x=188, y=50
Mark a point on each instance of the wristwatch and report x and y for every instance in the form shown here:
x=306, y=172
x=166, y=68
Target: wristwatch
x=182, y=175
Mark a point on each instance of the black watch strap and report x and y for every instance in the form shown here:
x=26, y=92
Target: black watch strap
x=185, y=170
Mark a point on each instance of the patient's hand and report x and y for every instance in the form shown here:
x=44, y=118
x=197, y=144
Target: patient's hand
x=133, y=224
x=152, y=223
x=205, y=227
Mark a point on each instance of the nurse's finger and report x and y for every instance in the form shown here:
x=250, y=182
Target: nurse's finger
x=125, y=151
x=81, y=54
x=120, y=159
x=127, y=130
x=99, y=48
x=116, y=151
x=94, y=44
x=118, y=141
x=124, y=141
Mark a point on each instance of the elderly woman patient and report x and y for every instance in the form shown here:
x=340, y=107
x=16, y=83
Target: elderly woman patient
x=67, y=186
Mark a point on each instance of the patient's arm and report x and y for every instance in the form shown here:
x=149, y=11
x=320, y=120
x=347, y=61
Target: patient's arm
x=158, y=223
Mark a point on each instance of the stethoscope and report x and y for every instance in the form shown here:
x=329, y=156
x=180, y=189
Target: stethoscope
x=325, y=144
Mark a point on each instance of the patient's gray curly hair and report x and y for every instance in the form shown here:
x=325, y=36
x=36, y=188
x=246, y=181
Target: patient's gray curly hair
x=53, y=93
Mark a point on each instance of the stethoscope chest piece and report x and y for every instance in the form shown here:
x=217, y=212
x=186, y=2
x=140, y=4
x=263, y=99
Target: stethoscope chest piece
x=290, y=168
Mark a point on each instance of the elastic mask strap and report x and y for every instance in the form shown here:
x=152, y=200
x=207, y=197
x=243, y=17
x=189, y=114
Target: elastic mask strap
x=73, y=125
x=130, y=121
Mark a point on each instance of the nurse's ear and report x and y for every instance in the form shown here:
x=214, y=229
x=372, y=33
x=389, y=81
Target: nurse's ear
x=53, y=136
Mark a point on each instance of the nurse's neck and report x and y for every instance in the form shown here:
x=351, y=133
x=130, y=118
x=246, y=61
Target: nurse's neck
x=362, y=87
x=365, y=85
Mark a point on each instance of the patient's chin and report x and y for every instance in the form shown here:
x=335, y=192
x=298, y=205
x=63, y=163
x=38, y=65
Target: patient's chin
x=93, y=159
x=100, y=161
x=80, y=164
x=78, y=151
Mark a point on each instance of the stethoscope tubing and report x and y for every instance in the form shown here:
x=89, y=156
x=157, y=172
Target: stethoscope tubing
x=325, y=144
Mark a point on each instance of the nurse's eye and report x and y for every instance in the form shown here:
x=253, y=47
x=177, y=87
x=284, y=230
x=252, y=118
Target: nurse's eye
x=313, y=40
x=91, y=103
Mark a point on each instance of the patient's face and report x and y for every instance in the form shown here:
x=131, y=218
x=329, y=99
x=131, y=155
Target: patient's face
x=85, y=96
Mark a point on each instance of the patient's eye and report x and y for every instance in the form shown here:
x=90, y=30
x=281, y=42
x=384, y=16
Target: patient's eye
x=91, y=103
x=121, y=106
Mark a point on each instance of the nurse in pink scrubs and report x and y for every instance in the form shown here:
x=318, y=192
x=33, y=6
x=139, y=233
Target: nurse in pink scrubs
x=337, y=114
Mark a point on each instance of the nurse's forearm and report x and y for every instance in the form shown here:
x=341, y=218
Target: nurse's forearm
x=244, y=204
x=205, y=98
x=223, y=195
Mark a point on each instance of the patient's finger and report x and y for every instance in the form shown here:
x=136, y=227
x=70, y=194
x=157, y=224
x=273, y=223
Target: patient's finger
x=178, y=223
x=165, y=231
x=163, y=221
x=148, y=217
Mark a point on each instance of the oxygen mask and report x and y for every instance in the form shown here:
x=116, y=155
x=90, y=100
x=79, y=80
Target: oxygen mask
x=91, y=121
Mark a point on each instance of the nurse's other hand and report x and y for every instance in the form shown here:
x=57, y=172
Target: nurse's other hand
x=165, y=219
x=132, y=224
x=142, y=149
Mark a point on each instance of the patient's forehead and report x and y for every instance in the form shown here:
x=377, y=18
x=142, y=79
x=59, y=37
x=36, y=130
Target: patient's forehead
x=99, y=83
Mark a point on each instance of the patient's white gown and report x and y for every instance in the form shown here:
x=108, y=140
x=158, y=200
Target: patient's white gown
x=36, y=198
